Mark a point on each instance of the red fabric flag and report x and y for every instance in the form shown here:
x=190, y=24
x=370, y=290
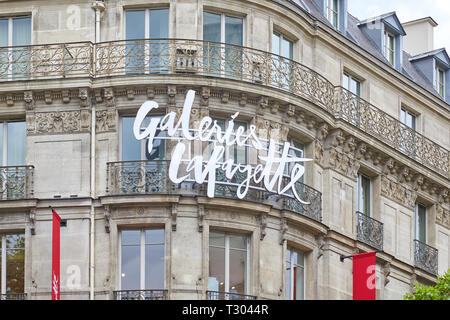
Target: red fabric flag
x=55, y=256
x=364, y=276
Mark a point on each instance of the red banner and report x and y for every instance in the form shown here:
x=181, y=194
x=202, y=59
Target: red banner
x=364, y=276
x=55, y=256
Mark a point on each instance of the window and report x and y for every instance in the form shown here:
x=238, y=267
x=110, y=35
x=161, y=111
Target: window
x=333, y=12
x=351, y=84
x=12, y=263
x=389, y=47
x=228, y=263
x=12, y=143
x=238, y=154
x=147, y=55
x=133, y=149
x=297, y=150
x=408, y=119
x=364, y=188
x=440, y=82
x=295, y=275
x=421, y=223
x=281, y=46
x=142, y=259
x=15, y=31
x=218, y=58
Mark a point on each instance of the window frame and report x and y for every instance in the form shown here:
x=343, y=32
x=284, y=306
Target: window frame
x=227, y=249
x=282, y=37
x=405, y=119
x=417, y=223
x=350, y=77
x=333, y=11
x=440, y=86
x=293, y=291
x=223, y=16
x=4, y=146
x=146, y=20
x=142, y=245
x=387, y=50
x=359, y=199
x=3, y=265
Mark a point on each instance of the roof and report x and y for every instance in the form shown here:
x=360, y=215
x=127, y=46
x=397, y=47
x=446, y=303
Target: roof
x=428, y=19
x=355, y=34
x=440, y=54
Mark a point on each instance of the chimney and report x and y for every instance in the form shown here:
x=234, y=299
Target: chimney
x=419, y=36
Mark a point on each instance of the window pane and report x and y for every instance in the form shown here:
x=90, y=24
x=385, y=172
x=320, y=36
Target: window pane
x=355, y=87
x=238, y=242
x=159, y=23
x=211, y=27
x=131, y=237
x=422, y=220
x=1, y=143
x=238, y=264
x=233, y=31
x=345, y=81
x=299, y=283
x=1, y=254
x=287, y=49
x=3, y=33
x=154, y=267
x=15, y=263
x=131, y=147
x=276, y=44
x=131, y=266
x=135, y=25
x=403, y=116
x=159, y=145
x=288, y=275
x=216, y=280
x=365, y=189
x=217, y=239
x=16, y=143
x=154, y=236
x=22, y=31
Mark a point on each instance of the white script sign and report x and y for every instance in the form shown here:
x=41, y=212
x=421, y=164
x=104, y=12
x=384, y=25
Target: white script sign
x=270, y=171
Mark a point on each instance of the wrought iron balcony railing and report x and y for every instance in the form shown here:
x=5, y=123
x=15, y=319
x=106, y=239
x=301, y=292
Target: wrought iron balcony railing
x=369, y=231
x=152, y=177
x=140, y=295
x=425, y=257
x=217, y=295
x=16, y=183
x=13, y=296
x=211, y=59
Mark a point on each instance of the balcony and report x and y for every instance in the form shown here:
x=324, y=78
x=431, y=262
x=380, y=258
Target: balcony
x=425, y=257
x=13, y=296
x=16, y=183
x=211, y=59
x=216, y=295
x=152, y=177
x=140, y=295
x=369, y=231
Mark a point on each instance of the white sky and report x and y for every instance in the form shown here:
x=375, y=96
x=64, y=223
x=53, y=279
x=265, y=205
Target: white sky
x=408, y=10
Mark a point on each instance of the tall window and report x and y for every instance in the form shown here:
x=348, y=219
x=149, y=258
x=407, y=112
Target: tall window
x=220, y=59
x=147, y=55
x=364, y=188
x=133, y=149
x=297, y=150
x=238, y=154
x=282, y=46
x=12, y=263
x=408, y=119
x=440, y=81
x=15, y=31
x=228, y=263
x=389, y=47
x=421, y=223
x=142, y=259
x=333, y=12
x=12, y=143
x=295, y=275
x=353, y=85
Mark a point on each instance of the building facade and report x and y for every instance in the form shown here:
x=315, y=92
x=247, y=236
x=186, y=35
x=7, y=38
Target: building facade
x=361, y=99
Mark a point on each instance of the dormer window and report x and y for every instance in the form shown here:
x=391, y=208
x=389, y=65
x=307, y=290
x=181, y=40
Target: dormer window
x=440, y=81
x=389, y=47
x=333, y=12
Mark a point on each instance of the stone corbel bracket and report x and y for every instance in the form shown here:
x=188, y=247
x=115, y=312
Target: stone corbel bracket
x=33, y=221
x=107, y=216
x=386, y=273
x=173, y=216
x=201, y=217
x=263, y=225
x=283, y=229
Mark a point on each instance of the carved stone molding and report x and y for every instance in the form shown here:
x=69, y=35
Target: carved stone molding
x=225, y=97
x=321, y=244
x=283, y=229
x=105, y=121
x=397, y=192
x=443, y=216
x=263, y=104
x=205, y=94
x=58, y=122
x=29, y=100
x=65, y=94
x=109, y=98
x=341, y=162
x=173, y=216
x=83, y=94
x=243, y=100
x=386, y=273
x=172, y=92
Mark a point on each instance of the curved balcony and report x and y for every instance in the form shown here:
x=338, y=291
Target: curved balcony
x=140, y=295
x=211, y=59
x=152, y=177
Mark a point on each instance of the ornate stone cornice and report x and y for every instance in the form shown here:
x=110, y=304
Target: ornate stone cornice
x=398, y=193
x=105, y=121
x=443, y=216
x=58, y=122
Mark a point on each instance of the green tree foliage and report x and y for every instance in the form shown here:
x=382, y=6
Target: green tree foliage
x=441, y=291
